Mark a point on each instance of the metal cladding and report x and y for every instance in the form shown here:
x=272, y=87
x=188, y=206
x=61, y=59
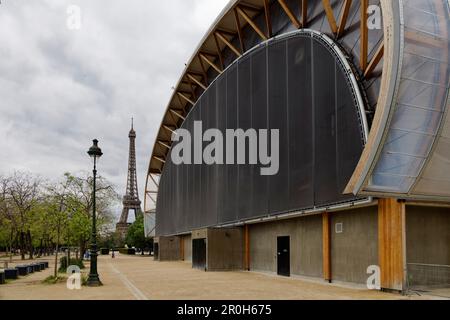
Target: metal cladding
x=402, y=69
x=297, y=84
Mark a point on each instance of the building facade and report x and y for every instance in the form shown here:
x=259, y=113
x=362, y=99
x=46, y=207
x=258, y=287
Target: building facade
x=358, y=93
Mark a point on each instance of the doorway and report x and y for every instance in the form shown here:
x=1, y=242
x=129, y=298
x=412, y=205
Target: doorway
x=284, y=256
x=156, y=251
x=199, y=254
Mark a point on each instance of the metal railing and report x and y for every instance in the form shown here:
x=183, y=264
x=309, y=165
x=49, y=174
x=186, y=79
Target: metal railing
x=421, y=276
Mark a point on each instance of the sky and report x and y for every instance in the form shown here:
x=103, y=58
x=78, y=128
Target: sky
x=69, y=76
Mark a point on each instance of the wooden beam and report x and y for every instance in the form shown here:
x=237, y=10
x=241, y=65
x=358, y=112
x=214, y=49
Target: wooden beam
x=160, y=160
x=228, y=43
x=250, y=7
x=330, y=16
x=364, y=43
x=182, y=103
x=304, y=13
x=230, y=33
x=169, y=129
x=164, y=145
x=182, y=258
x=326, y=249
x=251, y=23
x=212, y=64
x=191, y=85
x=247, y=248
x=268, y=18
x=219, y=52
x=209, y=53
x=392, y=243
x=178, y=115
x=375, y=61
x=190, y=76
x=290, y=14
x=173, y=119
x=239, y=29
x=425, y=40
x=181, y=95
x=205, y=74
x=344, y=17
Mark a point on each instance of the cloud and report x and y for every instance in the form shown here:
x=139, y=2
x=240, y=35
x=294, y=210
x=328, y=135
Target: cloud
x=60, y=88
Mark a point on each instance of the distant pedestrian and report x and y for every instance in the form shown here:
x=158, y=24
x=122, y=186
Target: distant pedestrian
x=113, y=254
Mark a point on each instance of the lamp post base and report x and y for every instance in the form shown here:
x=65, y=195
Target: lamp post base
x=94, y=281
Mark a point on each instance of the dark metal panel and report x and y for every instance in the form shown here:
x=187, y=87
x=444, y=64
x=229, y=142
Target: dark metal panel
x=325, y=135
x=300, y=108
x=348, y=129
x=231, y=207
x=198, y=174
x=221, y=115
x=299, y=89
x=210, y=202
x=245, y=172
x=192, y=184
x=278, y=184
x=259, y=121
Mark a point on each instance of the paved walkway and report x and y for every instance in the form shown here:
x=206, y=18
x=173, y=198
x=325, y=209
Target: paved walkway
x=141, y=278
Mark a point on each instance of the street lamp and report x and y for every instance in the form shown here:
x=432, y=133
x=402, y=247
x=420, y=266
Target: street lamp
x=94, y=281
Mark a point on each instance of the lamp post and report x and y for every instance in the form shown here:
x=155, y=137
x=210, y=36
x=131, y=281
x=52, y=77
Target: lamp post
x=94, y=281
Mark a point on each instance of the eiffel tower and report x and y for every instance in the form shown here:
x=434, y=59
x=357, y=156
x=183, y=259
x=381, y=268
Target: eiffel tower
x=131, y=199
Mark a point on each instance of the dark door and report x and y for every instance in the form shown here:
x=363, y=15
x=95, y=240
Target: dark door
x=284, y=256
x=156, y=251
x=199, y=254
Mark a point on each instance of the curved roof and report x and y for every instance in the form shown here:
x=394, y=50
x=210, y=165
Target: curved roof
x=195, y=76
x=242, y=25
x=225, y=41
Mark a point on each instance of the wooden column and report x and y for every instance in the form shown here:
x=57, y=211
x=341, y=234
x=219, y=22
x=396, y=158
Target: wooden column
x=326, y=231
x=247, y=248
x=182, y=248
x=392, y=244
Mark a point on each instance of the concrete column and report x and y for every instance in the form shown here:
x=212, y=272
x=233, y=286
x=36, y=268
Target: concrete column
x=392, y=244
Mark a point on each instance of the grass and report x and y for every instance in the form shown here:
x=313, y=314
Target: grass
x=52, y=280
x=84, y=279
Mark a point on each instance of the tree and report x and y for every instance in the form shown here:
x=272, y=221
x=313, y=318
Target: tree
x=37, y=215
x=8, y=222
x=80, y=223
x=24, y=191
x=136, y=235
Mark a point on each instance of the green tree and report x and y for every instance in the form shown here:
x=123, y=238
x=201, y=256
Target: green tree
x=80, y=222
x=136, y=235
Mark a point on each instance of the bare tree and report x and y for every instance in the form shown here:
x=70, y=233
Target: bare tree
x=24, y=190
x=6, y=214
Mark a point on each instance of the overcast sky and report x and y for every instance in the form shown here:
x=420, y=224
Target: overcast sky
x=60, y=88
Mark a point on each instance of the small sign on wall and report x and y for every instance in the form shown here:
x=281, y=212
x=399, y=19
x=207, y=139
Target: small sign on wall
x=339, y=227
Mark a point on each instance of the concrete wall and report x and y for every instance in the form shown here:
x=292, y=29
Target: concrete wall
x=356, y=248
x=428, y=246
x=199, y=234
x=428, y=235
x=224, y=249
x=306, y=245
x=187, y=243
x=169, y=248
